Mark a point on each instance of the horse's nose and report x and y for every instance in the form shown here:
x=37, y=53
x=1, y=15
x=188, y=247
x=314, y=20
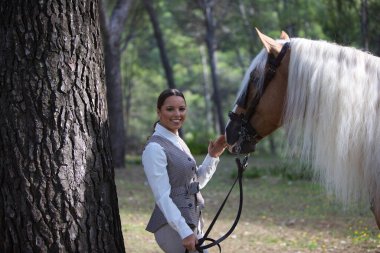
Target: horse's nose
x=231, y=133
x=232, y=150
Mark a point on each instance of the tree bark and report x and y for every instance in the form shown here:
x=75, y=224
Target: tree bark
x=56, y=175
x=160, y=43
x=113, y=28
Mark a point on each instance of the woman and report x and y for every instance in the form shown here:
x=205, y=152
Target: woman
x=174, y=177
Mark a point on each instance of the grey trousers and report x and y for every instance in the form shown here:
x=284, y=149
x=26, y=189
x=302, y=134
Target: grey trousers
x=169, y=240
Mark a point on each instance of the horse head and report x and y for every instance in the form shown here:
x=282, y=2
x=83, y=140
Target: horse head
x=327, y=97
x=260, y=104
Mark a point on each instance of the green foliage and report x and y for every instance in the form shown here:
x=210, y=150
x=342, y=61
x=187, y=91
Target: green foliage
x=133, y=159
x=196, y=147
x=183, y=31
x=343, y=25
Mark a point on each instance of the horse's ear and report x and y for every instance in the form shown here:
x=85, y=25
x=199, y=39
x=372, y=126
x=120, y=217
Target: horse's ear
x=284, y=36
x=272, y=46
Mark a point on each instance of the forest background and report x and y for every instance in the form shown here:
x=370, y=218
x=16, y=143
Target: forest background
x=203, y=48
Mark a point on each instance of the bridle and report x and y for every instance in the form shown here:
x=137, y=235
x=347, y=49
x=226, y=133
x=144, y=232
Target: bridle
x=248, y=136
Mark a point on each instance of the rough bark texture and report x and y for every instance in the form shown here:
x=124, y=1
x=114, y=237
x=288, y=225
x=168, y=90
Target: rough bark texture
x=56, y=174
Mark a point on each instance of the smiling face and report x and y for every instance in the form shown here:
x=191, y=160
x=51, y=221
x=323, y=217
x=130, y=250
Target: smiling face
x=172, y=113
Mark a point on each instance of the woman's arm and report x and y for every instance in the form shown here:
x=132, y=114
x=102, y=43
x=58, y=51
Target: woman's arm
x=208, y=167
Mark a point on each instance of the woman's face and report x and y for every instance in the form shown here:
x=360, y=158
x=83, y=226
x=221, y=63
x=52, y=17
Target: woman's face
x=172, y=114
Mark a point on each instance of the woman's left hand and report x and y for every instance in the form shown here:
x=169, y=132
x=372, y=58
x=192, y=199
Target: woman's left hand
x=217, y=147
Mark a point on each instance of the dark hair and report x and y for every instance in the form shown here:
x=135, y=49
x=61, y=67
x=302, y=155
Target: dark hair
x=168, y=93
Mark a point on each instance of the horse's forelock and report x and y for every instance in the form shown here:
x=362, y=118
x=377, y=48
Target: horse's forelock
x=257, y=65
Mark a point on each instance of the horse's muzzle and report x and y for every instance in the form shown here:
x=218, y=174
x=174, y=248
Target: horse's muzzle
x=242, y=149
x=237, y=144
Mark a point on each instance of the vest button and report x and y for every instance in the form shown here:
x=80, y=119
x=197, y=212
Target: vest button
x=193, y=168
x=189, y=159
x=190, y=205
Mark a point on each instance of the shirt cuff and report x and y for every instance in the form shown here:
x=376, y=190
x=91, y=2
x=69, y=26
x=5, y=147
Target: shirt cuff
x=184, y=231
x=210, y=160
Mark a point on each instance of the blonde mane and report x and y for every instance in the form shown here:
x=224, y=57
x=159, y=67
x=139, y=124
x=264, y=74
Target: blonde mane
x=332, y=116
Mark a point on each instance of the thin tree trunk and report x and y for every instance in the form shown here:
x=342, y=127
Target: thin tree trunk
x=211, y=45
x=56, y=175
x=128, y=99
x=272, y=145
x=161, y=46
x=113, y=28
x=206, y=88
x=364, y=24
x=249, y=28
x=160, y=43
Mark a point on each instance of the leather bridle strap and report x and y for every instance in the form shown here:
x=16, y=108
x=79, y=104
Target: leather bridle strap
x=247, y=132
x=200, y=247
x=273, y=64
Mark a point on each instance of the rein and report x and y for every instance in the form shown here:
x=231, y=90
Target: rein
x=241, y=165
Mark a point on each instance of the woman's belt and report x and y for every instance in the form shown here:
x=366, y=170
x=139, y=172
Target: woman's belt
x=190, y=189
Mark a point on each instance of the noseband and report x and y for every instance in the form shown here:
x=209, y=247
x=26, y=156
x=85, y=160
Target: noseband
x=247, y=134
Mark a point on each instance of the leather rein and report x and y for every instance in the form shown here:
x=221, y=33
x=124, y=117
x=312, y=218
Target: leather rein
x=248, y=133
x=200, y=247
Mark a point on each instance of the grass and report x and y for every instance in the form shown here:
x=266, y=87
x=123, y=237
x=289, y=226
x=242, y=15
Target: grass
x=279, y=215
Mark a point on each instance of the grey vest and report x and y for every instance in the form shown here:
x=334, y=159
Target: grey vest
x=184, y=192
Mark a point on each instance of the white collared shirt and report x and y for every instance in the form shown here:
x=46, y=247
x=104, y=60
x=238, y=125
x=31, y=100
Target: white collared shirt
x=155, y=163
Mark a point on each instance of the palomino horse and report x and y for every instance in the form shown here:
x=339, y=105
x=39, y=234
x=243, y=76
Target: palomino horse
x=327, y=97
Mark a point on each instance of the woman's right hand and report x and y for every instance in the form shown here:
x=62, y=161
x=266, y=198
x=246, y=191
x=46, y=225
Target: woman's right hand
x=217, y=147
x=190, y=242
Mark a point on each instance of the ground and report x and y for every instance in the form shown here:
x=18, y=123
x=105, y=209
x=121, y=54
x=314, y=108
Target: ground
x=278, y=215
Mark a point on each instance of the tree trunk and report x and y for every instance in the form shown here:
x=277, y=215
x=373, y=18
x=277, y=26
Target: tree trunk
x=364, y=24
x=211, y=45
x=56, y=175
x=206, y=89
x=248, y=27
x=128, y=99
x=160, y=43
x=112, y=30
x=272, y=145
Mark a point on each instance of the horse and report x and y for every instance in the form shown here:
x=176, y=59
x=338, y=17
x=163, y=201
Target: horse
x=327, y=98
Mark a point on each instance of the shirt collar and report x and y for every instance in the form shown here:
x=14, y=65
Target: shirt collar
x=160, y=130
x=172, y=137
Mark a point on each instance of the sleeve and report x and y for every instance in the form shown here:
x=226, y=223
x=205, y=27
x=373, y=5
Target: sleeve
x=154, y=162
x=206, y=170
